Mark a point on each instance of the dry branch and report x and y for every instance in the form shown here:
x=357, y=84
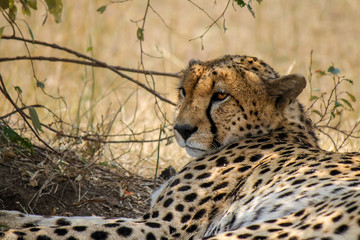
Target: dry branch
x=93, y=60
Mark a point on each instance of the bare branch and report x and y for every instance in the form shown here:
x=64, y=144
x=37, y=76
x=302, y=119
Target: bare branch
x=212, y=24
x=87, y=63
x=98, y=62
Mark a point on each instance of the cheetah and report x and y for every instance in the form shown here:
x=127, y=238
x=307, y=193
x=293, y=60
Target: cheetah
x=258, y=171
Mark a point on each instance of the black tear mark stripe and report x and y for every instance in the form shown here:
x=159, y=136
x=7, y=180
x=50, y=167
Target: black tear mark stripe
x=215, y=143
x=208, y=114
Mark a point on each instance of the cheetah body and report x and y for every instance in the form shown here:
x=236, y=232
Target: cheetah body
x=259, y=173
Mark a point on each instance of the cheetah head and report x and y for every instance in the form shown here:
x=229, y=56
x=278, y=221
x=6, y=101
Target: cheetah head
x=231, y=98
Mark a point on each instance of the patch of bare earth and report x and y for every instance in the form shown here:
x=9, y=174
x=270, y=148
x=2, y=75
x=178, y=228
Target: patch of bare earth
x=46, y=183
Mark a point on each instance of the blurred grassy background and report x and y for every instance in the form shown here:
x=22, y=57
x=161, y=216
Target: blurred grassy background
x=283, y=34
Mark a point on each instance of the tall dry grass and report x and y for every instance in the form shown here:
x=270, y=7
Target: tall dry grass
x=98, y=101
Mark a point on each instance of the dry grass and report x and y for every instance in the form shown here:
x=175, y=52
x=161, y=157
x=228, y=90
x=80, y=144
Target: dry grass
x=283, y=34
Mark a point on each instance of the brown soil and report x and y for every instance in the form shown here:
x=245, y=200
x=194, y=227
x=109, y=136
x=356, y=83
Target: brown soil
x=62, y=184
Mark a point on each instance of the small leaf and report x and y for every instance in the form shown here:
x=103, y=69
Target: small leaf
x=12, y=13
x=31, y=33
x=40, y=84
x=320, y=72
x=10, y=134
x=337, y=104
x=89, y=49
x=55, y=8
x=312, y=98
x=333, y=70
x=317, y=112
x=25, y=10
x=349, y=80
x=140, y=34
x=18, y=89
x=352, y=97
x=316, y=90
x=15, y=138
x=251, y=10
x=32, y=4
x=347, y=103
x=333, y=114
x=101, y=9
x=35, y=119
x=241, y=3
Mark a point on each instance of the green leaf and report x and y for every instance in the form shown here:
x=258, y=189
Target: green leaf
x=32, y=4
x=35, y=119
x=104, y=163
x=89, y=49
x=55, y=8
x=101, y=9
x=140, y=34
x=18, y=89
x=351, y=96
x=312, y=98
x=241, y=3
x=15, y=138
x=25, y=10
x=316, y=90
x=251, y=10
x=333, y=70
x=4, y=4
x=349, y=80
x=347, y=103
x=317, y=112
x=40, y=85
x=333, y=114
x=29, y=29
x=12, y=13
x=337, y=104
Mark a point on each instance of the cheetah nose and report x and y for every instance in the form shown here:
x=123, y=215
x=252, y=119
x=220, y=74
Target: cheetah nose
x=185, y=130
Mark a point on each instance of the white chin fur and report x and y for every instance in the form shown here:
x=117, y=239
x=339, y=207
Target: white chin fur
x=195, y=152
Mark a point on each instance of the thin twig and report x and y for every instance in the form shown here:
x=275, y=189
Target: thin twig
x=89, y=137
x=98, y=62
x=6, y=94
x=22, y=108
x=342, y=131
x=202, y=10
x=212, y=24
x=87, y=63
x=157, y=14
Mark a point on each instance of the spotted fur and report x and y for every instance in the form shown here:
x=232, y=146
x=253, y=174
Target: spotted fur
x=259, y=173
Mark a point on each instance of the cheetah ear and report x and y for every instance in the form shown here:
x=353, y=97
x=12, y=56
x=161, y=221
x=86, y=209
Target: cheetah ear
x=286, y=88
x=193, y=62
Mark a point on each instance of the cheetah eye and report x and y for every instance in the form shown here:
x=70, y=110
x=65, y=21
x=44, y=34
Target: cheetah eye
x=182, y=92
x=219, y=96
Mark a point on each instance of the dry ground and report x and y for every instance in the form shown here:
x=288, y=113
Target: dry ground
x=62, y=184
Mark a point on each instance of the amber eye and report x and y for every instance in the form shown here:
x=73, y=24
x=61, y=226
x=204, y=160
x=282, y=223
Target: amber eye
x=219, y=96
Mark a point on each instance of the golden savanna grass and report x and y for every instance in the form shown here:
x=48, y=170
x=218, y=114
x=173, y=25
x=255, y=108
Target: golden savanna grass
x=96, y=100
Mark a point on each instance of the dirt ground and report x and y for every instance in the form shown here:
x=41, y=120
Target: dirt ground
x=62, y=184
